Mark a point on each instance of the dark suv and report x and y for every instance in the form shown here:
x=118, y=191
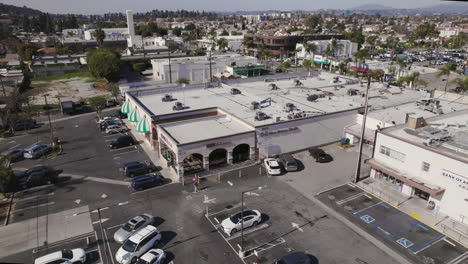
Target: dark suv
x=24, y=124
x=141, y=182
x=35, y=176
x=122, y=141
x=289, y=162
x=134, y=168
x=320, y=156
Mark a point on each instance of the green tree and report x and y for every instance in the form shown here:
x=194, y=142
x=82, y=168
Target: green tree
x=413, y=80
x=139, y=67
x=222, y=44
x=312, y=21
x=183, y=81
x=284, y=65
x=99, y=35
x=356, y=36
x=177, y=31
x=446, y=70
x=104, y=63
x=462, y=82
x=190, y=27
x=26, y=51
x=224, y=33
x=309, y=65
x=7, y=176
x=97, y=103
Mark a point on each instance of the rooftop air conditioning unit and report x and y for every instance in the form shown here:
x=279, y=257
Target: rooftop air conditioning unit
x=255, y=105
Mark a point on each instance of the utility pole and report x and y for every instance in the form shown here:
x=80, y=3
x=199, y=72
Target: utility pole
x=48, y=115
x=211, y=74
x=363, y=129
x=241, y=251
x=170, y=70
x=102, y=234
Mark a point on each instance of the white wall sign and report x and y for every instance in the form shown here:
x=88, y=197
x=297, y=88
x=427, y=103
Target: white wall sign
x=462, y=181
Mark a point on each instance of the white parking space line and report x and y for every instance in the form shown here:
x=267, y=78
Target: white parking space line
x=219, y=231
x=32, y=207
x=37, y=188
x=98, y=244
x=350, y=198
x=123, y=148
x=112, y=227
x=34, y=197
x=15, y=146
x=268, y=246
x=248, y=231
x=126, y=152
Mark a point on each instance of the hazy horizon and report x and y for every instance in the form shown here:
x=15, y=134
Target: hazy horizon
x=101, y=7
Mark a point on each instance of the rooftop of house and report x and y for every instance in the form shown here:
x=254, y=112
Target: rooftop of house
x=324, y=95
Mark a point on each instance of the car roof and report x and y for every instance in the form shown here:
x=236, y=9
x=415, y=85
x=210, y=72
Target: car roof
x=136, y=219
x=273, y=162
x=296, y=257
x=141, y=234
x=49, y=257
x=132, y=163
x=35, y=146
x=151, y=255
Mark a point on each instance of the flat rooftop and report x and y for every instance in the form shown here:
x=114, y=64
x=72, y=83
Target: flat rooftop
x=333, y=98
x=453, y=127
x=195, y=130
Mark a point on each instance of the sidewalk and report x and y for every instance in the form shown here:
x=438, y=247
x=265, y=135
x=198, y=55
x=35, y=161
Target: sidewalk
x=417, y=208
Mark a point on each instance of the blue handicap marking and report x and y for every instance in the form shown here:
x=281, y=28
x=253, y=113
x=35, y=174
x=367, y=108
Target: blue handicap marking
x=367, y=218
x=404, y=242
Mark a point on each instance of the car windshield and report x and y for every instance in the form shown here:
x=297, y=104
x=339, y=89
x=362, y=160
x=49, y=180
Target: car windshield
x=142, y=261
x=67, y=254
x=235, y=218
x=129, y=246
x=274, y=166
x=128, y=227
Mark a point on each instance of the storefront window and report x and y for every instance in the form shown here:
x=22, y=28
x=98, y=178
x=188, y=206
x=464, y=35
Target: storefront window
x=421, y=194
x=168, y=155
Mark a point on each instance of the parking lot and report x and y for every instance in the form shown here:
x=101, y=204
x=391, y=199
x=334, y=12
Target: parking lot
x=403, y=233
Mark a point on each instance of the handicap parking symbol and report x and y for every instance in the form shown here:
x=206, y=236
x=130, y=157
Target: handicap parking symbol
x=367, y=218
x=404, y=242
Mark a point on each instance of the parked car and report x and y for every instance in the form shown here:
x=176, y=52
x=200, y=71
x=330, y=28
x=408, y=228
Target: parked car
x=147, y=181
x=295, y=258
x=36, y=151
x=107, y=123
x=133, y=225
x=289, y=162
x=114, y=129
x=66, y=256
x=121, y=115
x=35, y=176
x=272, y=166
x=14, y=154
x=153, y=256
x=137, y=244
x=135, y=168
x=320, y=156
x=107, y=118
x=25, y=124
x=122, y=141
x=111, y=103
x=233, y=223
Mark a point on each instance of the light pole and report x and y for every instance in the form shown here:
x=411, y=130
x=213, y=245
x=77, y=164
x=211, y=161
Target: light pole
x=3, y=87
x=48, y=115
x=363, y=129
x=241, y=251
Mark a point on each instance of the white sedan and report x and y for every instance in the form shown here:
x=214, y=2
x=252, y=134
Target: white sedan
x=67, y=256
x=114, y=129
x=153, y=256
x=233, y=223
x=272, y=166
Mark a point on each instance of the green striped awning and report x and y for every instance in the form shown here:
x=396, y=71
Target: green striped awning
x=125, y=108
x=141, y=126
x=133, y=116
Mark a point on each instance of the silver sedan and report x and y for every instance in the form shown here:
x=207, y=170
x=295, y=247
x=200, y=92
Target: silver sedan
x=132, y=226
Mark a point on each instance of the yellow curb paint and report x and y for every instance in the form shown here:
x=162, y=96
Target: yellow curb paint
x=415, y=215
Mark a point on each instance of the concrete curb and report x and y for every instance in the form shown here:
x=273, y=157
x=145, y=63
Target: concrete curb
x=376, y=242
x=7, y=219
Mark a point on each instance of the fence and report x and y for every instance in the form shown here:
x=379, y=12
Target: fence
x=457, y=231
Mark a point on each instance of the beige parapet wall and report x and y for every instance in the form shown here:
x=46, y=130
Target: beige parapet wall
x=448, y=96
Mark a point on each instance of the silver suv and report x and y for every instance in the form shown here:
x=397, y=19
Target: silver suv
x=137, y=244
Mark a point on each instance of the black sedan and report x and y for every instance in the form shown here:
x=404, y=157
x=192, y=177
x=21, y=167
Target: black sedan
x=14, y=154
x=320, y=156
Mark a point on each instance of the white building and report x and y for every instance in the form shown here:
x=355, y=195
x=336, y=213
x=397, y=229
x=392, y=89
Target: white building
x=346, y=50
x=234, y=42
x=449, y=32
x=427, y=159
x=111, y=34
x=197, y=69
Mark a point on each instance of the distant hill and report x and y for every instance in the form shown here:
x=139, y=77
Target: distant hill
x=447, y=8
x=18, y=11
x=371, y=7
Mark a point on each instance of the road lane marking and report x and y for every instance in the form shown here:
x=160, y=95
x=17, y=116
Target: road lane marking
x=34, y=197
x=248, y=231
x=32, y=207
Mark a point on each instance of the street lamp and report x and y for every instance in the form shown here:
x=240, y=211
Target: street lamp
x=241, y=251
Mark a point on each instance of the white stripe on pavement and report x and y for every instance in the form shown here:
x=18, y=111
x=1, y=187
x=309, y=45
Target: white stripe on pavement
x=32, y=207
x=33, y=197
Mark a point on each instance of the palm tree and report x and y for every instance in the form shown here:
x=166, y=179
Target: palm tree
x=309, y=65
x=402, y=63
x=446, y=70
x=335, y=46
x=99, y=35
x=222, y=44
x=413, y=80
x=462, y=82
x=310, y=47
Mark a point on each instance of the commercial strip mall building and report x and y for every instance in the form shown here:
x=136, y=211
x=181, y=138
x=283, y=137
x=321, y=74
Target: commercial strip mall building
x=212, y=127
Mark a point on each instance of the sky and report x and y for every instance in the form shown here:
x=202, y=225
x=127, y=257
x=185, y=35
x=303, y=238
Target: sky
x=105, y=6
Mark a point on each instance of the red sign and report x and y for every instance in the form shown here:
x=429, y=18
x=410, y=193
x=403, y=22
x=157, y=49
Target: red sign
x=166, y=140
x=270, y=133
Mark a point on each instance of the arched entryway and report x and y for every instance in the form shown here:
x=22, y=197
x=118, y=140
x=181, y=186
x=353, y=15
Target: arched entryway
x=241, y=153
x=218, y=158
x=193, y=163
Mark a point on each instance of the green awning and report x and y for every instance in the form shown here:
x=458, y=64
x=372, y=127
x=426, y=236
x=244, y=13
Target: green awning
x=141, y=126
x=125, y=108
x=133, y=116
